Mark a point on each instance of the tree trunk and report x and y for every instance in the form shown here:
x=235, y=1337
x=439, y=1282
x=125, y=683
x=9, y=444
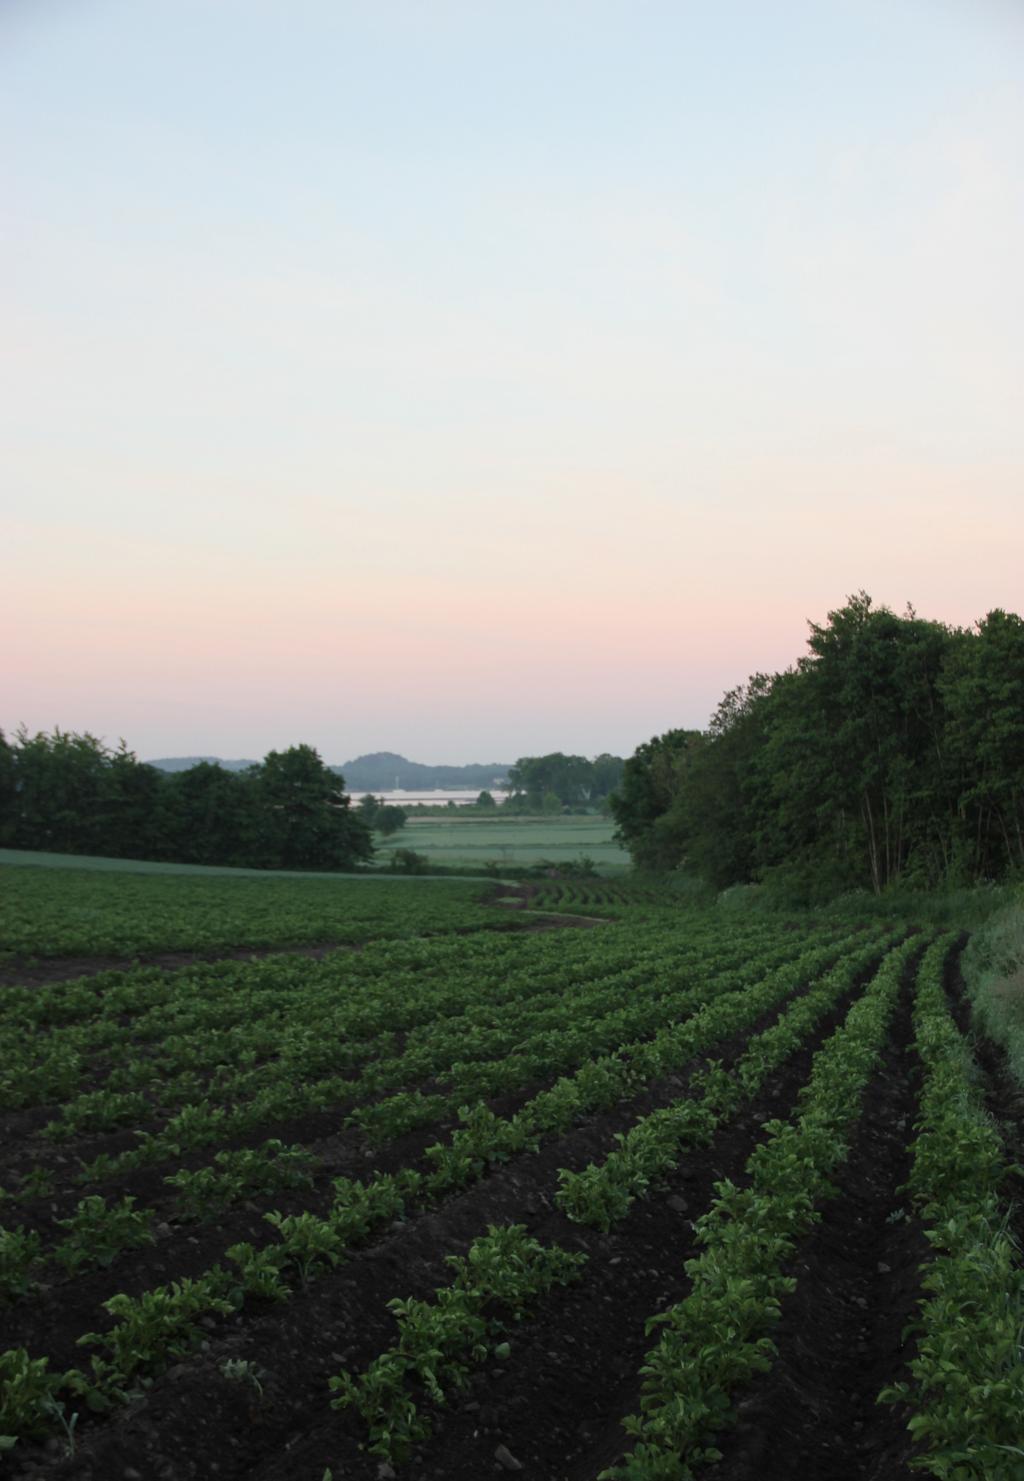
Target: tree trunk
x=872, y=843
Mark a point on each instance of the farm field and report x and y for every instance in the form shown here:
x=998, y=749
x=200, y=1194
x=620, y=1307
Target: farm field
x=655, y=1198
x=50, y=912
x=510, y=842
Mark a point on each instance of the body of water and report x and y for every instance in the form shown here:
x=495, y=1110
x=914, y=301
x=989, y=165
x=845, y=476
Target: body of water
x=462, y=797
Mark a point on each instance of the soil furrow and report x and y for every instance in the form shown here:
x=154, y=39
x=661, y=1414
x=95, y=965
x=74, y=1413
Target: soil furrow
x=567, y=1370
x=53, y=1318
x=840, y=1337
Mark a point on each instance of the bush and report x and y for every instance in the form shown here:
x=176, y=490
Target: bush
x=408, y=861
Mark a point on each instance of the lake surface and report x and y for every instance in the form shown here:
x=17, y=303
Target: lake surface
x=463, y=797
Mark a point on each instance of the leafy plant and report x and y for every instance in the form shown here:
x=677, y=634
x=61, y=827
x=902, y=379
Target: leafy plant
x=19, y=1253
x=242, y=1370
x=98, y=1232
x=27, y=1396
x=439, y=1340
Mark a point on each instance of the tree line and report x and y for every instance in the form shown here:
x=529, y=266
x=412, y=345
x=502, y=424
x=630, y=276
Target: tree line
x=551, y=783
x=71, y=794
x=892, y=753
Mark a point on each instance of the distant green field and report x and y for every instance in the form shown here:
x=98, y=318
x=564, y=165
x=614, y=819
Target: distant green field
x=147, y=866
x=510, y=841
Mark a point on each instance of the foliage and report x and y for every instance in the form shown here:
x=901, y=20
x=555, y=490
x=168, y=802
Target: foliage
x=717, y=1337
x=381, y=817
x=98, y=1232
x=993, y=966
x=19, y=1252
x=891, y=754
x=159, y=1325
x=50, y=912
x=438, y=1340
x=408, y=861
x=966, y=1391
x=239, y=1174
x=72, y=794
x=27, y=1396
x=642, y=804
x=549, y=783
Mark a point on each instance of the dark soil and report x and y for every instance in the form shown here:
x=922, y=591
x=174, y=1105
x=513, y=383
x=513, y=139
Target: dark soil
x=37, y=973
x=840, y=1338
x=554, y=1404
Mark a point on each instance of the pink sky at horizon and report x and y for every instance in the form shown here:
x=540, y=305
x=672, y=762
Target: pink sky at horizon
x=511, y=383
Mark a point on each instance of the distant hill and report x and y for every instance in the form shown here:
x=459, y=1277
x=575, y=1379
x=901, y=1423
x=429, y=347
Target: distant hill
x=182, y=763
x=384, y=770
x=380, y=772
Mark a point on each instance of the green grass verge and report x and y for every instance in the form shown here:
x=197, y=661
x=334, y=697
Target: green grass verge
x=510, y=842
x=993, y=967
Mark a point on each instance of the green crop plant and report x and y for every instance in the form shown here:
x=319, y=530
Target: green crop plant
x=307, y=1243
x=717, y=1337
x=260, y=1271
x=19, y=1253
x=965, y=1393
x=440, y=1340
x=241, y=1370
x=99, y=1110
x=236, y=1175
x=161, y=1324
x=603, y=1193
x=36, y=1183
x=30, y=1406
x=98, y=1232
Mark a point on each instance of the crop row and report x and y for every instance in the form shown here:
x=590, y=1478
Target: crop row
x=717, y=1338
x=50, y=912
x=605, y=895
x=660, y=983
x=602, y=1193
x=152, y=1329
x=310, y=1014
x=965, y=1395
x=568, y=1036
x=438, y=1340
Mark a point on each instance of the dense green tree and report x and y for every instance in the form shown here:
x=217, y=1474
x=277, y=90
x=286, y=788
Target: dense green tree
x=306, y=818
x=136, y=815
x=574, y=780
x=369, y=806
x=892, y=752
x=486, y=800
x=61, y=792
x=8, y=789
x=982, y=687
x=213, y=816
x=606, y=774
x=711, y=816
x=869, y=691
x=643, y=805
x=71, y=794
x=390, y=819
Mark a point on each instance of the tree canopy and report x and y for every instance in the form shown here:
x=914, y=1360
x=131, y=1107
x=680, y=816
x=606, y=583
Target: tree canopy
x=893, y=751
x=546, y=783
x=71, y=793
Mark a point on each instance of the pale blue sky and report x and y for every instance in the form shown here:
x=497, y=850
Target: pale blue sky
x=477, y=379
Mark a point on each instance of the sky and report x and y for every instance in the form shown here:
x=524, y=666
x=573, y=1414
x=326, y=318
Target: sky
x=474, y=380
